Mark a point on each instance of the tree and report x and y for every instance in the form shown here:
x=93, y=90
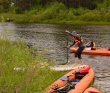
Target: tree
x=4, y=5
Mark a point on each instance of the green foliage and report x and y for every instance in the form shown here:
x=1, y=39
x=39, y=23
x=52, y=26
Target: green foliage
x=35, y=9
x=1, y=8
x=17, y=73
x=107, y=17
x=70, y=16
x=80, y=11
x=17, y=10
x=105, y=4
x=90, y=16
x=56, y=10
x=4, y=5
x=104, y=7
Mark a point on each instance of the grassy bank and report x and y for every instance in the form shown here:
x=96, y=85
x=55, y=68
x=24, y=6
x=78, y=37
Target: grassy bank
x=17, y=75
x=32, y=18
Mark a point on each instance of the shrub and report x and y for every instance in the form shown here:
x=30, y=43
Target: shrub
x=54, y=11
x=4, y=5
x=1, y=8
x=70, y=16
x=107, y=17
x=35, y=9
x=80, y=11
x=17, y=10
x=90, y=16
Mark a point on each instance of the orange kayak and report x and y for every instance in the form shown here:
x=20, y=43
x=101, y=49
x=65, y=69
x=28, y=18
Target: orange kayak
x=76, y=81
x=91, y=90
x=95, y=52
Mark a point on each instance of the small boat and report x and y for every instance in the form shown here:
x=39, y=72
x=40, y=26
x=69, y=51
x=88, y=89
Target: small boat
x=93, y=52
x=75, y=81
x=91, y=90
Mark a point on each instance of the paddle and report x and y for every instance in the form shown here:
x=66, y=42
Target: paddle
x=74, y=82
x=67, y=49
x=66, y=78
x=93, y=38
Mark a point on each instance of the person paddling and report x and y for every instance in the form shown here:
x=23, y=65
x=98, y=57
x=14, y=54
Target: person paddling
x=79, y=41
x=91, y=44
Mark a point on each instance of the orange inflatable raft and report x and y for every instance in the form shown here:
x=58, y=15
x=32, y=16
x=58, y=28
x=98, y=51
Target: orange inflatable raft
x=76, y=81
x=95, y=52
x=91, y=90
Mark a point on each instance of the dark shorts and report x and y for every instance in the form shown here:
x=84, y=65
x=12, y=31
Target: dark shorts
x=79, y=52
x=93, y=48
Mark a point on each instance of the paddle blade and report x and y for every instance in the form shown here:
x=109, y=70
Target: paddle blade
x=95, y=37
x=64, y=78
x=74, y=82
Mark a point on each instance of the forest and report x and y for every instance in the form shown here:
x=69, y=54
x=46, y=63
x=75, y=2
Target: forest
x=60, y=10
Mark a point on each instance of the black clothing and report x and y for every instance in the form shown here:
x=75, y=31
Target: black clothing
x=79, y=52
x=81, y=46
x=93, y=48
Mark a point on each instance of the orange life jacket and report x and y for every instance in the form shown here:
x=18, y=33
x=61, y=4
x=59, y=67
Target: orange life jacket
x=93, y=45
x=78, y=41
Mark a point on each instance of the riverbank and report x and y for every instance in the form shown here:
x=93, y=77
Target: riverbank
x=32, y=18
x=17, y=75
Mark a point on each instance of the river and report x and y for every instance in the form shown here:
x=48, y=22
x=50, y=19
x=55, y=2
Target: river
x=54, y=38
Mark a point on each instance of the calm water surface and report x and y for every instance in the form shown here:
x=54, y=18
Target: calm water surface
x=54, y=38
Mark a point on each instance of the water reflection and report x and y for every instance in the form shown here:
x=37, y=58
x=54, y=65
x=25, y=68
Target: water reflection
x=54, y=38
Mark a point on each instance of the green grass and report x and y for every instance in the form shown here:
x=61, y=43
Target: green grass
x=32, y=79
x=33, y=18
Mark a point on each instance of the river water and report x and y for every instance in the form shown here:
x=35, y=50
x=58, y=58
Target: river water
x=54, y=38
